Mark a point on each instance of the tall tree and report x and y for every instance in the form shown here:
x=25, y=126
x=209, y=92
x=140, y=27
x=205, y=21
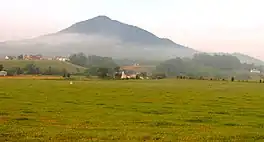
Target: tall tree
x=1, y=67
x=30, y=69
x=78, y=59
x=20, y=57
x=49, y=72
x=102, y=72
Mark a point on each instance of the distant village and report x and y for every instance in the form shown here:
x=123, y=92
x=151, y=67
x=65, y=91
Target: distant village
x=36, y=57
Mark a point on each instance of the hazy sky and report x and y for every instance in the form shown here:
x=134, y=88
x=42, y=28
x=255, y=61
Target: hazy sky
x=206, y=25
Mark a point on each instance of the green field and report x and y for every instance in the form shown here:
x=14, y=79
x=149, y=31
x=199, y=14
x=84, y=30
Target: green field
x=153, y=110
x=42, y=64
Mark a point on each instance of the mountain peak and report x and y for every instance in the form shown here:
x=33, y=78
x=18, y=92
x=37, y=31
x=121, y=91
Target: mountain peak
x=103, y=25
x=101, y=17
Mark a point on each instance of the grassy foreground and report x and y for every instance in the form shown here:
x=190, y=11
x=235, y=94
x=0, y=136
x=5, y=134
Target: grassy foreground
x=159, y=110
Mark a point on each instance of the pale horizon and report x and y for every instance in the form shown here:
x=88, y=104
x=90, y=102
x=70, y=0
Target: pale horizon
x=204, y=25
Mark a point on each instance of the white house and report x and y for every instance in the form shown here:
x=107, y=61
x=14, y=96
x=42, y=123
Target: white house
x=3, y=73
x=6, y=58
x=62, y=59
x=254, y=71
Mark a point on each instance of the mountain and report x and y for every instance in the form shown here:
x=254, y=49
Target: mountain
x=247, y=59
x=105, y=37
x=127, y=33
x=100, y=36
x=243, y=58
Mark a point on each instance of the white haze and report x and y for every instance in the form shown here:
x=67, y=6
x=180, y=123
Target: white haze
x=66, y=44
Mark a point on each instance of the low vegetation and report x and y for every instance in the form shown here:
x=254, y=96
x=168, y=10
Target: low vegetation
x=43, y=65
x=216, y=66
x=147, y=110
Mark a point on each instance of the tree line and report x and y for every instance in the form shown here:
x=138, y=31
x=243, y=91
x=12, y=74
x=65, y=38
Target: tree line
x=103, y=67
x=32, y=69
x=214, y=66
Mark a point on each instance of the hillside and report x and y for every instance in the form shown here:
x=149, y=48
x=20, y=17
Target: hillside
x=103, y=25
x=243, y=58
x=247, y=59
x=100, y=36
x=43, y=65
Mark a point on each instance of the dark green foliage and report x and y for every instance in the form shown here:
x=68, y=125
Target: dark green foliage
x=117, y=69
x=11, y=72
x=92, y=61
x=64, y=72
x=20, y=57
x=19, y=71
x=49, y=72
x=91, y=71
x=1, y=67
x=31, y=69
x=37, y=71
x=216, y=66
x=102, y=72
x=79, y=59
x=232, y=79
x=221, y=62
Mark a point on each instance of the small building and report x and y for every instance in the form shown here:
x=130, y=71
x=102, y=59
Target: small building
x=10, y=57
x=6, y=58
x=254, y=71
x=63, y=59
x=32, y=57
x=3, y=73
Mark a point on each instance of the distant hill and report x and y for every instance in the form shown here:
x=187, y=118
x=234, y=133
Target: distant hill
x=43, y=65
x=247, y=59
x=103, y=25
x=244, y=58
x=101, y=36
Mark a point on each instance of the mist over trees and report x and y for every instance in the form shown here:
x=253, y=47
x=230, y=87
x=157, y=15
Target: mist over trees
x=219, y=66
x=92, y=61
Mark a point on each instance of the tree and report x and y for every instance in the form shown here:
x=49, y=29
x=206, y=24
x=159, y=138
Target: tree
x=64, y=72
x=31, y=69
x=117, y=69
x=218, y=66
x=233, y=79
x=49, y=71
x=37, y=70
x=79, y=59
x=19, y=71
x=102, y=72
x=1, y=67
x=68, y=75
x=20, y=57
x=11, y=71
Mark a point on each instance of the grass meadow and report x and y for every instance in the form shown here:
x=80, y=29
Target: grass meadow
x=42, y=64
x=149, y=110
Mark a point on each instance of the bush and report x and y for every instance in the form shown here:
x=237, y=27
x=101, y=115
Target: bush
x=159, y=76
x=233, y=79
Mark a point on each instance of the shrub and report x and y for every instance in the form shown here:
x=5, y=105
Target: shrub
x=233, y=79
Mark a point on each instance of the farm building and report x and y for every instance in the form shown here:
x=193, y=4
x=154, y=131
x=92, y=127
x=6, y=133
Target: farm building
x=255, y=71
x=61, y=58
x=3, y=73
x=10, y=57
x=32, y=57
